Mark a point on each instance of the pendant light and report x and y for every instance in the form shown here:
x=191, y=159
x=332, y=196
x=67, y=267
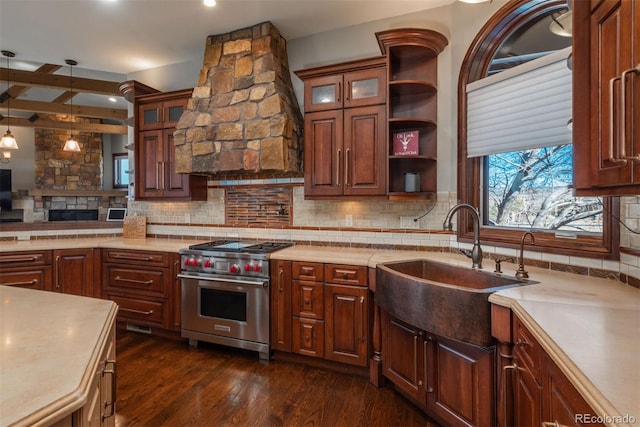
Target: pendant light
x=8, y=141
x=71, y=144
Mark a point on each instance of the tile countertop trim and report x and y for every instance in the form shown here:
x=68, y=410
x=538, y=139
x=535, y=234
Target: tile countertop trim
x=612, y=395
x=45, y=381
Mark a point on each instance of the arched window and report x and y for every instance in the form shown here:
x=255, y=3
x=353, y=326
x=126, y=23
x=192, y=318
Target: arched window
x=526, y=189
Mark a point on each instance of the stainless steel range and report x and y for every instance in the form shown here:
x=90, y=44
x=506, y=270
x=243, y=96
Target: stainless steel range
x=225, y=293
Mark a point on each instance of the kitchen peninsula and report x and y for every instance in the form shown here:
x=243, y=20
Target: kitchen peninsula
x=57, y=358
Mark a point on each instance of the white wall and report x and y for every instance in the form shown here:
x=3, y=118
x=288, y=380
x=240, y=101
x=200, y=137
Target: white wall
x=459, y=22
x=22, y=163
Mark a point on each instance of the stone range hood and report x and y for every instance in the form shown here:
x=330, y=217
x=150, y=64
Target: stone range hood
x=243, y=117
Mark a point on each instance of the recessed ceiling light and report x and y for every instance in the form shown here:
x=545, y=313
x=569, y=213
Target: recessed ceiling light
x=209, y=3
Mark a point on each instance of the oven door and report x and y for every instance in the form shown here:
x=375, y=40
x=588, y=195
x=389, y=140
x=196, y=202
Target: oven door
x=237, y=308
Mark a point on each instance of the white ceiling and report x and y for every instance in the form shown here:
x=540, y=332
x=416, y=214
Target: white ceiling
x=123, y=36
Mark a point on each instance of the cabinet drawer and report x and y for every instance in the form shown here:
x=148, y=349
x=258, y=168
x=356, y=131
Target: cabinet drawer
x=148, y=282
x=311, y=271
x=35, y=278
x=308, y=299
x=308, y=337
x=526, y=348
x=139, y=258
x=141, y=311
x=31, y=258
x=345, y=274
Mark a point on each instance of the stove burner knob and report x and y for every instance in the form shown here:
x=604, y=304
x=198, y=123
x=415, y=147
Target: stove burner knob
x=257, y=268
x=207, y=263
x=234, y=268
x=247, y=267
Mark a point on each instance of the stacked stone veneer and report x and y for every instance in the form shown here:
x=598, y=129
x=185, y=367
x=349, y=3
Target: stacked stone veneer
x=243, y=115
x=56, y=169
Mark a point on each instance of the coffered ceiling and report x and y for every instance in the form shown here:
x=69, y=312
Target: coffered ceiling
x=112, y=38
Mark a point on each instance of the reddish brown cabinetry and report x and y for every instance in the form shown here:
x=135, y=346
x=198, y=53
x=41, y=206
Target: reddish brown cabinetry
x=155, y=175
x=30, y=269
x=412, y=65
x=308, y=309
x=140, y=282
x=345, y=126
x=320, y=310
x=281, y=305
x=533, y=390
x=452, y=381
x=73, y=271
x=606, y=94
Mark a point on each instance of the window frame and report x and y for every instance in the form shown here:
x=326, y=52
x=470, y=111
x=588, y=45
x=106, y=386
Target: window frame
x=116, y=159
x=474, y=66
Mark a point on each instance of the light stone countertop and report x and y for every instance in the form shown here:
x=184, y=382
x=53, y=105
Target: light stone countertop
x=50, y=345
x=150, y=244
x=589, y=326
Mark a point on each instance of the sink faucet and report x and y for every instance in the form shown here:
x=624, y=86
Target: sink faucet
x=476, y=252
x=522, y=273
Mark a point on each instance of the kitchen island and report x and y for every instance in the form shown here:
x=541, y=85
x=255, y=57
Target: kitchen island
x=57, y=355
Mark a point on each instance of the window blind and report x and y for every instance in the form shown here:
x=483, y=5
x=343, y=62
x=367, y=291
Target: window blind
x=524, y=107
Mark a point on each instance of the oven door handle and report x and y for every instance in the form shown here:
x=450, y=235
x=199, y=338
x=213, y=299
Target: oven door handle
x=260, y=283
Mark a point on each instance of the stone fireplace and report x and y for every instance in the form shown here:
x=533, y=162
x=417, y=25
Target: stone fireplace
x=243, y=115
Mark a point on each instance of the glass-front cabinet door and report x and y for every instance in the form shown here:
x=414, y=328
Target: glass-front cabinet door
x=323, y=93
x=367, y=87
x=354, y=89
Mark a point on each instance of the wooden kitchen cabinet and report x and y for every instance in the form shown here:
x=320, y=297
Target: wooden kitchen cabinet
x=606, y=94
x=140, y=282
x=308, y=325
x=451, y=380
x=346, y=314
x=533, y=389
x=29, y=269
x=338, y=87
x=281, y=320
x=320, y=310
x=73, y=271
x=405, y=366
x=412, y=65
x=345, y=129
x=155, y=175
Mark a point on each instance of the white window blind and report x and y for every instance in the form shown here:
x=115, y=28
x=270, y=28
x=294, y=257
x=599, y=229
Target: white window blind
x=524, y=107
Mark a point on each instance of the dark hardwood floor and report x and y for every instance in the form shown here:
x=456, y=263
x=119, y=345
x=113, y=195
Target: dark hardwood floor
x=163, y=382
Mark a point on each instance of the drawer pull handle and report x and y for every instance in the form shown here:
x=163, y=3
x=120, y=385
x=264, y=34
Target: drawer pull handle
x=19, y=258
x=133, y=258
x=29, y=283
x=130, y=310
x=521, y=342
x=142, y=282
x=110, y=405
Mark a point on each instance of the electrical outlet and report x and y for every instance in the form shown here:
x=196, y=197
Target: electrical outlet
x=348, y=220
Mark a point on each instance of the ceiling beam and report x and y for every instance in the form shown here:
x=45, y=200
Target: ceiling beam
x=77, y=126
x=58, y=108
x=57, y=81
x=17, y=90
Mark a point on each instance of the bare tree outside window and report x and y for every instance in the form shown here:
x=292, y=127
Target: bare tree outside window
x=532, y=189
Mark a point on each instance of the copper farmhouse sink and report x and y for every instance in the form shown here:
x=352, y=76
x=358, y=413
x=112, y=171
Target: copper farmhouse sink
x=443, y=299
